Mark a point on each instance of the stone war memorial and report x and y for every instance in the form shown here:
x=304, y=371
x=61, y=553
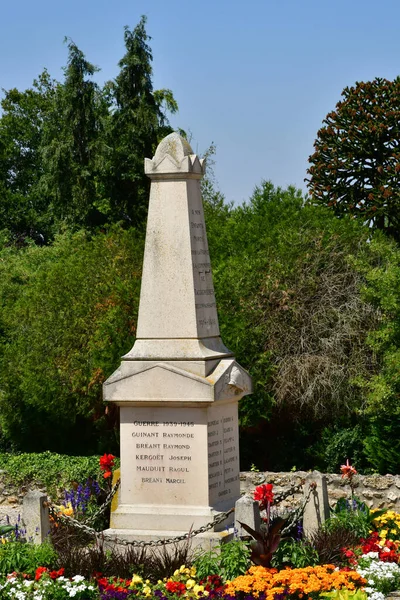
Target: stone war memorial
x=178, y=388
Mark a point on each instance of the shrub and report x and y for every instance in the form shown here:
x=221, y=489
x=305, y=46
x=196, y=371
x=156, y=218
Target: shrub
x=15, y=555
x=232, y=560
x=294, y=553
x=54, y=471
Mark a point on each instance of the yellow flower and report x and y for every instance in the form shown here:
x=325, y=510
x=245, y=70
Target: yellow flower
x=198, y=590
x=193, y=572
x=135, y=579
x=182, y=569
x=147, y=591
x=190, y=583
x=66, y=510
x=176, y=573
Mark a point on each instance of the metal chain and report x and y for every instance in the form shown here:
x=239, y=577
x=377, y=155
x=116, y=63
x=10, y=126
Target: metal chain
x=83, y=527
x=298, y=512
x=293, y=490
x=104, y=506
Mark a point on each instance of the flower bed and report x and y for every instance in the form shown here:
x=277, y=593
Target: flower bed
x=259, y=582
x=286, y=566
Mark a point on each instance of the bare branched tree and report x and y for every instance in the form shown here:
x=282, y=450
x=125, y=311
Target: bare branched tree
x=315, y=323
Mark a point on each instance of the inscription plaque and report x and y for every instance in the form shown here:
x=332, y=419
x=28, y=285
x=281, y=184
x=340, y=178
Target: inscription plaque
x=163, y=452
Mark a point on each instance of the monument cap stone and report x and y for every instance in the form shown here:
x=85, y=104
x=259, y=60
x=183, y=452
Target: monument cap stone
x=174, y=158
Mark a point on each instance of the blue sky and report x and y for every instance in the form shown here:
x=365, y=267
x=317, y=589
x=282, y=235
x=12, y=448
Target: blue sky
x=256, y=78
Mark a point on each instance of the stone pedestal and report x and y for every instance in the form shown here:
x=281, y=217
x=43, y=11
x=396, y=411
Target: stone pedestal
x=178, y=388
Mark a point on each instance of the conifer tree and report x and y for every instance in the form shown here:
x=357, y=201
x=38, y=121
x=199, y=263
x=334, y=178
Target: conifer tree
x=355, y=168
x=138, y=123
x=72, y=144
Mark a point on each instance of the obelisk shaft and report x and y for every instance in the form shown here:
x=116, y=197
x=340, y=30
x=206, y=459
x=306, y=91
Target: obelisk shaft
x=177, y=300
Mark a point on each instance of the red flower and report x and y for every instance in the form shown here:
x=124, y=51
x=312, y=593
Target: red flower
x=213, y=584
x=106, y=464
x=347, y=470
x=264, y=495
x=39, y=572
x=175, y=587
x=56, y=574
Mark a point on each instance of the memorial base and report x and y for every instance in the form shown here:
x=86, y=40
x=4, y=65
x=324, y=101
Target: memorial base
x=210, y=540
x=163, y=518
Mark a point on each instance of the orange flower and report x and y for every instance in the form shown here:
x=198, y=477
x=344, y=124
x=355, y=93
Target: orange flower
x=322, y=578
x=347, y=470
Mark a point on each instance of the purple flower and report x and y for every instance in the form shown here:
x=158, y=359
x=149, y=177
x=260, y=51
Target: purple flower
x=299, y=531
x=87, y=492
x=113, y=595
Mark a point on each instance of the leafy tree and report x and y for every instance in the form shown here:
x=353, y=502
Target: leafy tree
x=355, y=168
x=22, y=204
x=71, y=153
x=67, y=314
x=137, y=126
x=318, y=294
x=286, y=272
x=382, y=388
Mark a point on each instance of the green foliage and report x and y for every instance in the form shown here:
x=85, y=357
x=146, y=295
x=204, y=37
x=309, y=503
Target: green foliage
x=345, y=594
x=295, y=277
x=355, y=168
x=69, y=313
x=382, y=444
x=71, y=152
x=56, y=472
x=291, y=283
x=234, y=559
x=72, y=146
x=25, y=557
x=206, y=563
x=231, y=560
x=337, y=442
x=137, y=124
x=22, y=204
x=351, y=515
x=295, y=554
x=382, y=388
